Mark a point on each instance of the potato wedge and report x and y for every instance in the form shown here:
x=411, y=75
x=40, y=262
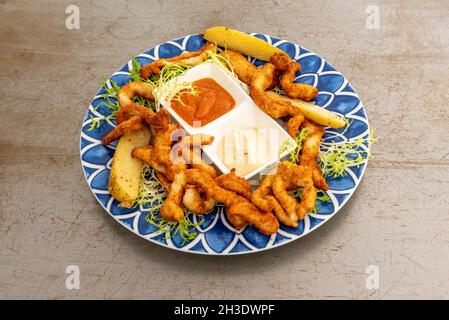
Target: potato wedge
x=241, y=42
x=124, y=180
x=313, y=112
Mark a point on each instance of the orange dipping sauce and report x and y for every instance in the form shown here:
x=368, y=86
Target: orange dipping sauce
x=210, y=102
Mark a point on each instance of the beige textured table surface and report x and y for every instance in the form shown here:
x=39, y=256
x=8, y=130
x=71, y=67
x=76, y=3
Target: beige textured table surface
x=398, y=219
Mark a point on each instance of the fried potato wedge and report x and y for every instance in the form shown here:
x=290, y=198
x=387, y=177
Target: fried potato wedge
x=124, y=180
x=241, y=42
x=312, y=112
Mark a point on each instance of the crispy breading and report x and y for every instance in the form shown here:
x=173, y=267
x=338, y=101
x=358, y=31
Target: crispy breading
x=239, y=209
x=294, y=124
x=133, y=124
x=289, y=67
x=260, y=83
x=309, y=153
x=265, y=222
x=234, y=183
x=171, y=209
x=244, y=69
x=196, y=200
x=162, y=144
x=134, y=109
x=291, y=176
x=263, y=198
x=188, y=59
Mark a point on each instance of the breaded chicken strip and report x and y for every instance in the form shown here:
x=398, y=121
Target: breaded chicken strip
x=188, y=59
x=263, y=198
x=289, y=67
x=244, y=212
x=171, y=209
x=309, y=153
x=265, y=222
x=197, y=201
x=194, y=199
x=275, y=108
x=234, y=183
x=133, y=124
x=244, y=69
x=291, y=176
x=134, y=109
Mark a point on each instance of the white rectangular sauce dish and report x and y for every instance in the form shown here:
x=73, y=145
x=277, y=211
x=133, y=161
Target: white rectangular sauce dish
x=245, y=114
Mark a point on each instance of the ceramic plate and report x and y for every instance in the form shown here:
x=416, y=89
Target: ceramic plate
x=216, y=236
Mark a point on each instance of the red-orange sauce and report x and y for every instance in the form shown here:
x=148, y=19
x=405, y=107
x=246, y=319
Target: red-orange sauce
x=209, y=102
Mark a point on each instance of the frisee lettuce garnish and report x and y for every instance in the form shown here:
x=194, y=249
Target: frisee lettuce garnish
x=294, y=153
x=334, y=158
x=152, y=195
x=109, y=100
x=134, y=73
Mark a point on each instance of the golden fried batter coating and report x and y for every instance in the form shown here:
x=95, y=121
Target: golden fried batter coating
x=196, y=161
x=240, y=65
x=188, y=59
x=133, y=124
x=309, y=153
x=162, y=179
x=289, y=177
x=162, y=144
x=261, y=81
x=134, y=109
x=196, y=200
x=261, y=195
x=263, y=198
x=265, y=222
x=234, y=183
x=134, y=88
x=171, y=209
x=239, y=209
x=289, y=67
x=294, y=124
x=145, y=154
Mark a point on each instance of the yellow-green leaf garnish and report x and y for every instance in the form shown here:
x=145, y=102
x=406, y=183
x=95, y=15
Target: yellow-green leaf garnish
x=294, y=153
x=336, y=157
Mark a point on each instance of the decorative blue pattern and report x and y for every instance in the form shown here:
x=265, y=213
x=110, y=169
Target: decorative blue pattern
x=216, y=235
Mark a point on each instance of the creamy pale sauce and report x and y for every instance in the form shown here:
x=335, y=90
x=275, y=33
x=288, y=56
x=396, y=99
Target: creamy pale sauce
x=244, y=150
x=208, y=103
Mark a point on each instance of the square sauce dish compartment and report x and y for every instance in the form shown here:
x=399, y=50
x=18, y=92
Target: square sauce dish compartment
x=244, y=137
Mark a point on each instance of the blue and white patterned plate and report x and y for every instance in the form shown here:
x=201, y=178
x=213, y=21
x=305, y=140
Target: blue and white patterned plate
x=216, y=236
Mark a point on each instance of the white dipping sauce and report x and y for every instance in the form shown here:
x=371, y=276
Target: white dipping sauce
x=244, y=149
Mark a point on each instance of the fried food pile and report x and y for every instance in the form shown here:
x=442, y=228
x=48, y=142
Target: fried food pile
x=195, y=185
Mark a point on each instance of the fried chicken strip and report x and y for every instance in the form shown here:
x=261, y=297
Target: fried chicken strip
x=197, y=201
x=234, y=183
x=171, y=209
x=289, y=67
x=134, y=109
x=309, y=153
x=188, y=59
x=244, y=69
x=133, y=124
x=263, y=198
x=291, y=176
x=265, y=222
x=275, y=108
x=194, y=199
x=162, y=145
x=240, y=215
